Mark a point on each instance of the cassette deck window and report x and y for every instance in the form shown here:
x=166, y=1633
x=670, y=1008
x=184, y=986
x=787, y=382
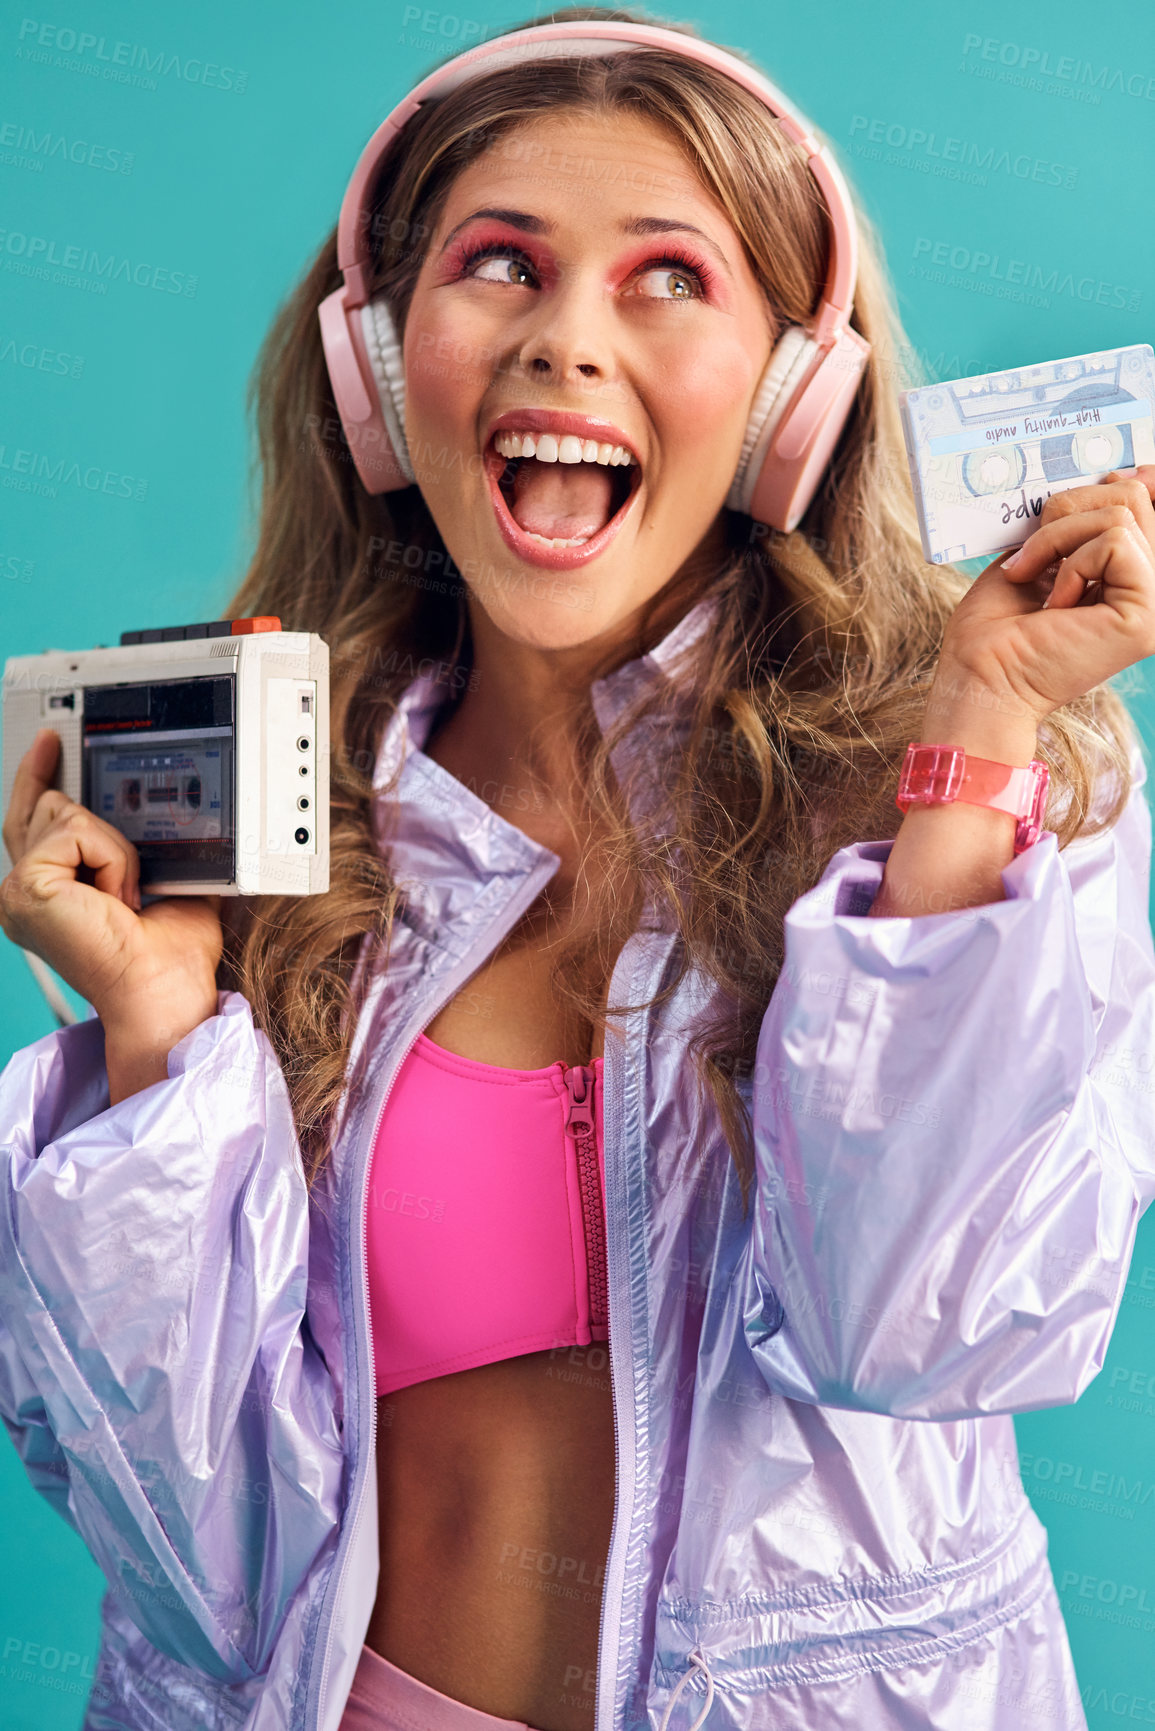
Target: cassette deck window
x=159, y=766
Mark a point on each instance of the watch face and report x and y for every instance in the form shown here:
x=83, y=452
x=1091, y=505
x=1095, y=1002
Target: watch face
x=931, y=775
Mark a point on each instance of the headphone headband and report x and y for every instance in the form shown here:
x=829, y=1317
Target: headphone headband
x=569, y=41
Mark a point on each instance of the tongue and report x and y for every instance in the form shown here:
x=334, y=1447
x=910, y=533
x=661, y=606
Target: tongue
x=561, y=501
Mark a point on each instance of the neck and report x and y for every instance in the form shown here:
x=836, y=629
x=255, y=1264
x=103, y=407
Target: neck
x=519, y=724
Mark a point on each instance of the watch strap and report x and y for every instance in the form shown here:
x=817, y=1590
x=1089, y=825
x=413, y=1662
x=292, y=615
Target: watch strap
x=941, y=774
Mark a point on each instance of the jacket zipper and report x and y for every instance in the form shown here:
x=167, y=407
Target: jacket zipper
x=581, y=1126
x=623, y=1367
x=622, y=1380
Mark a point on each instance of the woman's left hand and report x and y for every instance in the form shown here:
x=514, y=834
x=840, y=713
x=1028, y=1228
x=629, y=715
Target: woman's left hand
x=1033, y=637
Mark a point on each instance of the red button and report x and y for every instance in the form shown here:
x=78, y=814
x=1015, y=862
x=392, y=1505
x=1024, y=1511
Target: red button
x=242, y=627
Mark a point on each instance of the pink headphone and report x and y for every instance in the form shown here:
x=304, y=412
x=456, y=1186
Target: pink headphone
x=805, y=394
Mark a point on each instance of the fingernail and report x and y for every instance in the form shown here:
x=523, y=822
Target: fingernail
x=1009, y=564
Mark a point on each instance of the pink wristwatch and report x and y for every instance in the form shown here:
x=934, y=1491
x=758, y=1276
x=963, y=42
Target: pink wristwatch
x=940, y=774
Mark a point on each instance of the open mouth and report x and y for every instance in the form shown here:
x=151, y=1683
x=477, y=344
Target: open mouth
x=559, y=498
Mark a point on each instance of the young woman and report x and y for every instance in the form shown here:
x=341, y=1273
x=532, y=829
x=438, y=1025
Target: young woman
x=517, y=1295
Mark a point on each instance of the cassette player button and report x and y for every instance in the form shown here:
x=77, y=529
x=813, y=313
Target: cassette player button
x=242, y=627
x=210, y=628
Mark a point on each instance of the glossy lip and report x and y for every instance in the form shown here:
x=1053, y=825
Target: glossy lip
x=559, y=422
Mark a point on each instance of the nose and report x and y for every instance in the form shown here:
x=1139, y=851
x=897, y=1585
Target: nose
x=567, y=337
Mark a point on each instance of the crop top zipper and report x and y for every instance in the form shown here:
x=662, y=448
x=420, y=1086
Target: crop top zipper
x=580, y=1082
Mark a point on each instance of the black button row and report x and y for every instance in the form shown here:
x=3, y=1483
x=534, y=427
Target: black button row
x=178, y=633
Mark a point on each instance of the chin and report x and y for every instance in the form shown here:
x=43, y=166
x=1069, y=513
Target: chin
x=549, y=609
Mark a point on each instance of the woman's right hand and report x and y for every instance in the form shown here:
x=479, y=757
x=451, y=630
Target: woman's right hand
x=149, y=974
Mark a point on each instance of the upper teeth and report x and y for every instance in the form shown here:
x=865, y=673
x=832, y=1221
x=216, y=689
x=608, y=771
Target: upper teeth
x=568, y=449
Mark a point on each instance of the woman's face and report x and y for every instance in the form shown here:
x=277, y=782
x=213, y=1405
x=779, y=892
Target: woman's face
x=583, y=297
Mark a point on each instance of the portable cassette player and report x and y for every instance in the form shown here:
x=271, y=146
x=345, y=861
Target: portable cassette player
x=206, y=745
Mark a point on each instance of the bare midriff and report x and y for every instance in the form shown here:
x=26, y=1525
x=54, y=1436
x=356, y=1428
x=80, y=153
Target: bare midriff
x=496, y=1491
x=496, y=1484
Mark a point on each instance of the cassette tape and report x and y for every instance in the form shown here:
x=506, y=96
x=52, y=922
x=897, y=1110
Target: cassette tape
x=207, y=746
x=986, y=453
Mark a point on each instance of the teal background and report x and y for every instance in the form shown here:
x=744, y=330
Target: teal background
x=234, y=187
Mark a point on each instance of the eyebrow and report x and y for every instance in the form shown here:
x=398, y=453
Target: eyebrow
x=634, y=225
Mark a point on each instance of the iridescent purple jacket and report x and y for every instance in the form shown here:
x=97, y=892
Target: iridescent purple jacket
x=819, y=1519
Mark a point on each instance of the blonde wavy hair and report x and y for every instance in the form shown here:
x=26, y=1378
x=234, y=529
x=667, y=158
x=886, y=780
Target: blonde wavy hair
x=792, y=713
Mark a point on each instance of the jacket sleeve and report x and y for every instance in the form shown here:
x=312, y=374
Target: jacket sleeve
x=156, y=1369
x=26, y=1421
x=953, y=1132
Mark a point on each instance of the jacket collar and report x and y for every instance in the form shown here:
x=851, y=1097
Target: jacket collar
x=629, y=683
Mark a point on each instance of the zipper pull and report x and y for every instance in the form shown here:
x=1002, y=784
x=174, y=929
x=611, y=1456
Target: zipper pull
x=579, y=1083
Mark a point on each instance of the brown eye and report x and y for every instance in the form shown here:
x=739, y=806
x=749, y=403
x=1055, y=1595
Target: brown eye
x=660, y=282
x=504, y=268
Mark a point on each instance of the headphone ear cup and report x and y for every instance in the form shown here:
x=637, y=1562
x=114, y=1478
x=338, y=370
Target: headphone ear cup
x=383, y=348
x=796, y=456
x=363, y=357
x=791, y=355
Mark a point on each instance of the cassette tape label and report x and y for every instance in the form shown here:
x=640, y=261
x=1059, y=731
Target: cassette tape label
x=986, y=453
x=1033, y=426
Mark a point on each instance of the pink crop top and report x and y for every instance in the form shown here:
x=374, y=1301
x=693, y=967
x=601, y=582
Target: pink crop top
x=486, y=1215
